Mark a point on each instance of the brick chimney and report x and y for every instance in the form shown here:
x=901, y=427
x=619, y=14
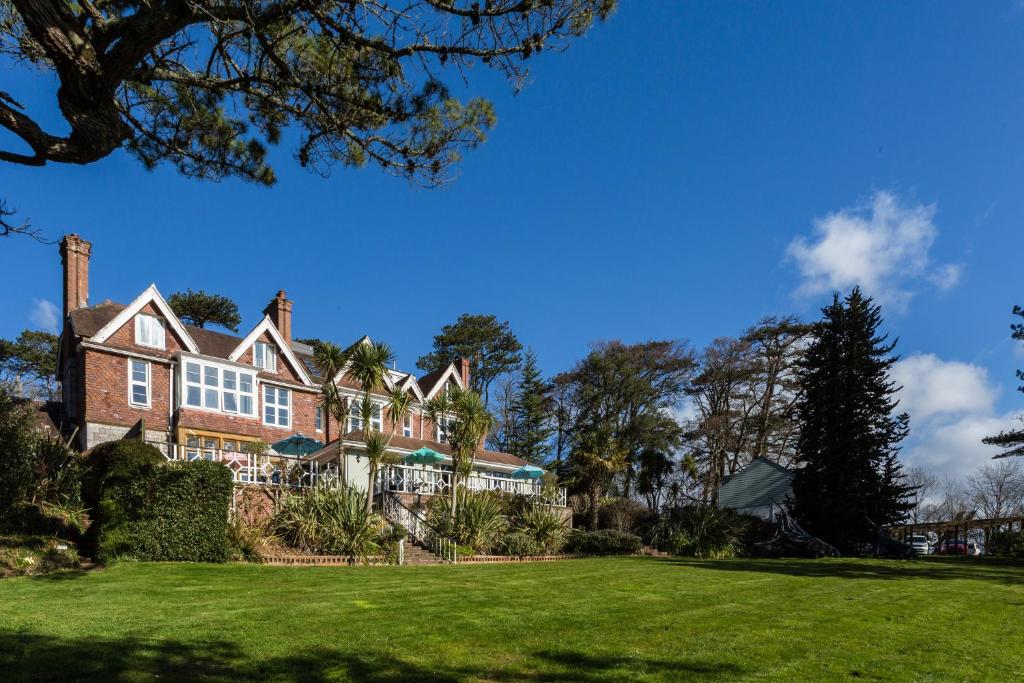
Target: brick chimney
x=462, y=365
x=74, y=257
x=280, y=311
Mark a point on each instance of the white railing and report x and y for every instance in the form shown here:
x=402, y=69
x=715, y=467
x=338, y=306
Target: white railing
x=430, y=482
x=419, y=530
x=247, y=468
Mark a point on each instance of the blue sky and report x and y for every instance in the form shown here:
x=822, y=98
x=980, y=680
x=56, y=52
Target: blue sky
x=682, y=171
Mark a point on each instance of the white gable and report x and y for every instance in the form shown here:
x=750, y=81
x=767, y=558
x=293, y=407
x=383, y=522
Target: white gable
x=149, y=296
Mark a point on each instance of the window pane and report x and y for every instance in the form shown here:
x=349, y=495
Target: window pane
x=268, y=414
x=139, y=394
x=192, y=397
x=210, y=376
x=282, y=397
x=230, y=402
x=192, y=372
x=245, y=383
x=229, y=379
x=138, y=371
x=212, y=399
x=282, y=417
x=246, y=404
x=192, y=440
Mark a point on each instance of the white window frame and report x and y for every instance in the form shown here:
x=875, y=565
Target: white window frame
x=156, y=324
x=202, y=387
x=437, y=430
x=355, y=414
x=318, y=418
x=132, y=383
x=277, y=406
x=264, y=356
x=407, y=426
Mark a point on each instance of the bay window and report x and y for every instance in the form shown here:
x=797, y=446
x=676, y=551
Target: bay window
x=213, y=387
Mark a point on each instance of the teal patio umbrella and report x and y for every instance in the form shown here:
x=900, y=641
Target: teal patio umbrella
x=528, y=472
x=424, y=456
x=297, y=444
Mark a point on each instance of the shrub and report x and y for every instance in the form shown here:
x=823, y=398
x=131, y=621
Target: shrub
x=40, y=476
x=479, y=519
x=519, y=544
x=115, y=461
x=148, y=510
x=332, y=520
x=544, y=526
x=246, y=539
x=603, y=542
x=1006, y=543
x=622, y=514
x=704, y=531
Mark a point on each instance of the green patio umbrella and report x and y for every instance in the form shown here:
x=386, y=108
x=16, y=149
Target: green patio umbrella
x=424, y=456
x=528, y=472
x=297, y=444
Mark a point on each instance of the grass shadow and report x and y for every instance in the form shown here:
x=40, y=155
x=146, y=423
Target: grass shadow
x=44, y=657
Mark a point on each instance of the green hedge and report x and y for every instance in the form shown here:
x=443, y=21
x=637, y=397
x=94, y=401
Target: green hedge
x=149, y=510
x=603, y=542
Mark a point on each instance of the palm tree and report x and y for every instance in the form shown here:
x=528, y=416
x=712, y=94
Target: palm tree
x=399, y=403
x=368, y=366
x=329, y=359
x=377, y=444
x=464, y=417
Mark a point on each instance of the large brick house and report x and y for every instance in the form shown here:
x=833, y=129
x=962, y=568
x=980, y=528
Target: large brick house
x=136, y=369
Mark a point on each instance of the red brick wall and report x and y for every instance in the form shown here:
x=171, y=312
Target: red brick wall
x=285, y=373
x=124, y=337
x=106, y=392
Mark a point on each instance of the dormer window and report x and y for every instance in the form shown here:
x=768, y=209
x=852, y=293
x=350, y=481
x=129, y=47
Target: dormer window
x=264, y=356
x=149, y=331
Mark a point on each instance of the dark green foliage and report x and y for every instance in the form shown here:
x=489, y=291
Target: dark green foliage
x=480, y=519
x=1006, y=544
x=40, y=477
x=151, y=510
x=621, y=397
x=603, y=542
x=489, y=345
x=531, y=411
x=545, y=527
x=705, y=531
x=29, y=363
x=116, y=460
x=331, y=520
x=849, y=440
x=1013, y=440
x=519, y=544
x=201, y=309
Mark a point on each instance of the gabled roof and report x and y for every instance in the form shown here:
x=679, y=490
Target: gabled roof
x=404, y=443
x=759, y=484
x=431, y=384
x=266, y=326
x=149, y=296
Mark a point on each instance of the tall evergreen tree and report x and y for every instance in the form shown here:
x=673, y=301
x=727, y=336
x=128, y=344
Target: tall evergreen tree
x=532, y=414
x=849, y=439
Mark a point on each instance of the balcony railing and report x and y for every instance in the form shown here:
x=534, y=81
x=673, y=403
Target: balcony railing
x=430, y=482
x=247, y=468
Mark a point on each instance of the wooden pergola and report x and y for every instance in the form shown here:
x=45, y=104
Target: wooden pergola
x=958, y=528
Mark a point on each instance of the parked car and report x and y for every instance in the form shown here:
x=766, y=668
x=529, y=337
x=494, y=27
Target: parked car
x=950, y=546
x=974, y=548
x=920, y=544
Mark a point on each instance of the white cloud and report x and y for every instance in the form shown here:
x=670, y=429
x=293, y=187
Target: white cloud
x=953, y=448
x=44, y=316
x=952, y=408
x=932, y=386
x=880, y=244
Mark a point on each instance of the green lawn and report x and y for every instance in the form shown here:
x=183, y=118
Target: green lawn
x=600, y=619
